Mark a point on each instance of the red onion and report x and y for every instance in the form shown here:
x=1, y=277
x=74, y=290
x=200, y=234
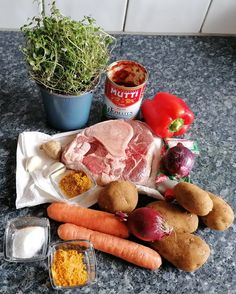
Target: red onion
x=178, y=160
x=146, y=224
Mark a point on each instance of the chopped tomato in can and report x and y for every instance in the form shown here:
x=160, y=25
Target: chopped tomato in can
x=124, y=88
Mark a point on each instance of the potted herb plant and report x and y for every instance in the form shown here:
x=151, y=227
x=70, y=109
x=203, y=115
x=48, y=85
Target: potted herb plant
x=65, y=58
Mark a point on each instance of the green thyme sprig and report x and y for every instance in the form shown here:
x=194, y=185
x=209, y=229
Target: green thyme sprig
x=65, y=56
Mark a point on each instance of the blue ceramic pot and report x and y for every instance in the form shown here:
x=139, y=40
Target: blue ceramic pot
x=66, y=113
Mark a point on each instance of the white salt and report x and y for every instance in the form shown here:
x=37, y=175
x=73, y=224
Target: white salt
x=28, y=241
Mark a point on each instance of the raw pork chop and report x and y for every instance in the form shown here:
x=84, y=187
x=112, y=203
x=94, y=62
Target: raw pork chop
x=113, y=150
x=108, y=133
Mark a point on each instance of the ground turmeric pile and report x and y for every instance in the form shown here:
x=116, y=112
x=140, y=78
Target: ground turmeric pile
x=75, y=183
x=68, y=268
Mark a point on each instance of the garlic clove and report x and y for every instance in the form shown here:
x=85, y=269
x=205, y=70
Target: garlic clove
x=52, y=168
x=33, y=163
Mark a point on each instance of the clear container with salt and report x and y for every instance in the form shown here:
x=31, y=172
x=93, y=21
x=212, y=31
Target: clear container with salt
x=26, y=239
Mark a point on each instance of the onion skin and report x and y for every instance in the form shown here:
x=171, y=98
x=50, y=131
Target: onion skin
x=178, y=161
x=147, y=224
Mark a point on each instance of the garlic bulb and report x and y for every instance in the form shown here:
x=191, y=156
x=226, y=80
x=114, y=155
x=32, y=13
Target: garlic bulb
x=52, y=148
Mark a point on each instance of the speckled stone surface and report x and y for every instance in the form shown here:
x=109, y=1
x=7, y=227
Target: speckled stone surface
x=202, y=70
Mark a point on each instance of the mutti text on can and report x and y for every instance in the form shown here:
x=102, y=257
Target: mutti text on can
x=124, y=88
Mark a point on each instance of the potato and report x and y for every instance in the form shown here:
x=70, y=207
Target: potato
x=221, y=217
x=176, y=216
x=193, y=198
x=184, y=250
x=118, y=196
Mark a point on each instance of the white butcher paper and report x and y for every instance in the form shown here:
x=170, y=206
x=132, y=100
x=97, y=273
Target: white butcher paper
x=32, y=188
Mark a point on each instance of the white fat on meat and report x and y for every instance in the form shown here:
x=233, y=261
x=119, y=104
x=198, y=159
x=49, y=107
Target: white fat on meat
x=113, y=151
x=114, y=136
x=75, y=151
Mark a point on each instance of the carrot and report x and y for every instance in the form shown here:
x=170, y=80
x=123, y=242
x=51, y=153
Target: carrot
x=100, y=221
x=130, y=251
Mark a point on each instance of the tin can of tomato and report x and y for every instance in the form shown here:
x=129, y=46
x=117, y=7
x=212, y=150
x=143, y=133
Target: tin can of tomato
x=124, y=88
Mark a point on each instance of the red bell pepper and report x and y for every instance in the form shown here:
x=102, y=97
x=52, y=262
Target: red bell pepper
x=167, y=115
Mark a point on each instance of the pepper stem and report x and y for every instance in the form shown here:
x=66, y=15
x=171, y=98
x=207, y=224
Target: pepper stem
x=176, y=125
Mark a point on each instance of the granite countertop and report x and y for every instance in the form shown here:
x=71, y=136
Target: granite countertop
x=202, y=70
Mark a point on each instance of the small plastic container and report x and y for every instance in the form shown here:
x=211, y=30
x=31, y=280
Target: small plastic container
x=89, y=260
x=19, y=233
x=57, y=175
x=45, y=250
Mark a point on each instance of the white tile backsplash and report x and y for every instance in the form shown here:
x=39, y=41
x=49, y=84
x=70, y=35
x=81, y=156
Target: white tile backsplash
x=134, y=16
x=15, y=13
x=221, y=17
x=166, y=16
x=109, y=14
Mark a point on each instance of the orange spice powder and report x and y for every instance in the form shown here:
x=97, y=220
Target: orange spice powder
x=68, y=268
x=75, y=183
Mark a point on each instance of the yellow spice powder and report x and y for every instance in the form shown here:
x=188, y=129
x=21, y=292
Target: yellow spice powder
x=75, y=183
x=68, y=268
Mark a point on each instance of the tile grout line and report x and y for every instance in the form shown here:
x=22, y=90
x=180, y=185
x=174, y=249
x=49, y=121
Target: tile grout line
x=205, y=17
x=9, y=30
x=125, y=17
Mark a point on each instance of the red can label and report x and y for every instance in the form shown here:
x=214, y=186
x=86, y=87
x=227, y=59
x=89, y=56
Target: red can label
x=124, y=88
x=123, y=97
